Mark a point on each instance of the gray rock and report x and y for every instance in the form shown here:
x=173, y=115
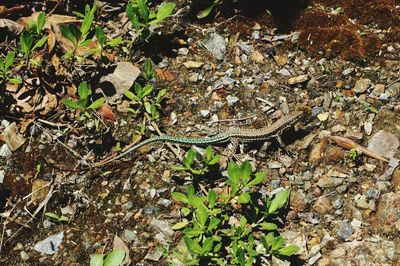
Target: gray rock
x=24, y=255
x=183, y=51
x=244, y=46
x=155, y=254
x=2, y=174
x=384, y=144
x=130, y=236
x=347, y=71
x=49, y=245
x=122, y=79
x=216, y=44
x=338, y=203
x=362, y=85
x=345, y=230
x=372, y=194
x=5, y=151
x=232, y=99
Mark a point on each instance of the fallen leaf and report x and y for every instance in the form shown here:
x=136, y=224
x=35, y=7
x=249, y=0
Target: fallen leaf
x=12, y=26
x=12, y=137
x=119, y=244
x=40, y=189
x=7, y=11
x=105, y=112
x=349, y=144
x=166, y=75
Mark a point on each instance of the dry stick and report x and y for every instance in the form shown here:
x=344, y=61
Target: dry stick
x=55, y=7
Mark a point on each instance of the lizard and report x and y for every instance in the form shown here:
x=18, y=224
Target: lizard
x=233, y=135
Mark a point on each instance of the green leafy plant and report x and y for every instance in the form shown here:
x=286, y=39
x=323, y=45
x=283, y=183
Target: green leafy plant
x=206, y=12
x=103, y=43
x=147, y=97
x=82, y=103
x=57, y=218
x=113, y=258
x=5, y=71
x=79, y=36
x=354, y=154
x=33, y=39
x=236, y=227
x=196, y=164
x=142, y=17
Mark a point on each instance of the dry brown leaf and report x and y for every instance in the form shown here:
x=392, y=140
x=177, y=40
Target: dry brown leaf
x=119, y=244
x=166, y=75
x=51, y=39
x=7, y=11
x=12, y=26
x=49, y=103
x=40, y=188
x=105, y=112
x=349, y=144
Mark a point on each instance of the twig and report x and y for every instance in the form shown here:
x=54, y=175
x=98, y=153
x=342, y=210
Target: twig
x=393, y=82
x=54, y=8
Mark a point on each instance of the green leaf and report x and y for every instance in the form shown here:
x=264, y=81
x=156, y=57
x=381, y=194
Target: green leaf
x=279, y=200
x=115, y=257
x=96, y=104
x=207, y=245
x=71, y=33
x=214, y=160
x=277, y=243
x=88, y=20
x=178, y=196
x=96, y=260
x=268, y=226
x=131, y=96
x=41, y=20
x=160, y=95
x=115, y=41
x=143, y=10
x=101, y=37
x=9, y=61
x=234, y=173
x=192, y=245
x=212, y=197
x=243, y=222
x=26, y=41
x=72, y=104
x=40, y=43
x=202, y=214
x=163, y=12
x=180, y=225
x=214, y=222
x=83, y=90
x=208, y=153
x=179, y=168
x=146, y=90
x=2, y=67
x=205, y=12
x=15, y=80
x=188, y=159
x=147, y=107
x=288, y=250
x=244, y=198
x=185, y=211
x=52, y=215
x=259, y=178
x=132, y=16
x=246, y=170
x=191, y=191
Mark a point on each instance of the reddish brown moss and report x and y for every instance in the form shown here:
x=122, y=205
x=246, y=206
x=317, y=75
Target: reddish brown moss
x=334, y=41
